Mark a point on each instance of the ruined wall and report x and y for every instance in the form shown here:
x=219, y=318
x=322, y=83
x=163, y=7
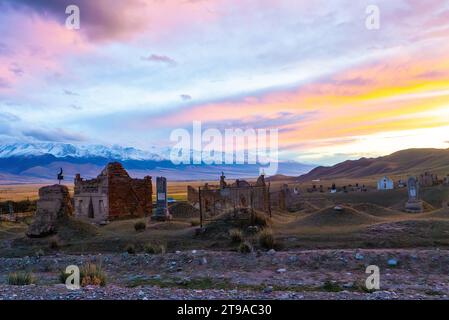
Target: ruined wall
x=446, y=180
x=53, y=205
x=128, y=197
x=241, y=194
x=192, y=195
x=113, y=195
x=288, y=198
x=428, y=179
x=91, y=198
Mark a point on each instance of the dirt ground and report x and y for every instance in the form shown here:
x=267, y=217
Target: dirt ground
x=319, y=253
x=299, y=274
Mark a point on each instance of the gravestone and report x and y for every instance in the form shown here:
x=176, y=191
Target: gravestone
x=10, y=209
x=414, y=204
x=161, y=213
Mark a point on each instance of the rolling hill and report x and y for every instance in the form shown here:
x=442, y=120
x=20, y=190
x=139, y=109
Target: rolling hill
x=405, y=162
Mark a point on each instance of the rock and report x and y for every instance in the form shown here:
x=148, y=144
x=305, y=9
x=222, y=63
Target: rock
x=292, y=259
x=271, y=252
x=253, y=229
x=359, y=256
x=53, y=205
x=393, y=262
x=282, y=270
x=193, y=251
x=203, y=261
x=268, y=289
x=200, y=231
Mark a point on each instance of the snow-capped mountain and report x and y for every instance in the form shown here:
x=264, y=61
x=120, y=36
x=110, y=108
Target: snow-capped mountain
x=40, y=162
x=63, y=150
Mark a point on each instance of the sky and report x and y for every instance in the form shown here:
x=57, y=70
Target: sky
x=136, y=70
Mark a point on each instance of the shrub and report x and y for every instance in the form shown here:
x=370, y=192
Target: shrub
x=54, y=244
x=39, y=253
x=131, y=249
x=195, y=222
x=154, y=248
x=260, y=220
x=21, y=278
x=63, y=276
x=245, y=247
x=266, y=239
x=236, y=235
x=140, y=226
x=92, y=274
x=331, y=286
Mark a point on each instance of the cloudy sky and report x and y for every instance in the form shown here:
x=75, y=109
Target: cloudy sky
x=134, y=72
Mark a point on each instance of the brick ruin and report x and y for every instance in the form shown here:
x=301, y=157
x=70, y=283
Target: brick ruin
x=240, y=194
x=112, y=195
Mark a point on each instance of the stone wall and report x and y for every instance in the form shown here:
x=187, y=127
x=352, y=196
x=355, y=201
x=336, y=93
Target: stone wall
x=53, y=205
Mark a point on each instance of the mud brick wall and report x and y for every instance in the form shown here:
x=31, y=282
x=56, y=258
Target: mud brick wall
x=128, y=197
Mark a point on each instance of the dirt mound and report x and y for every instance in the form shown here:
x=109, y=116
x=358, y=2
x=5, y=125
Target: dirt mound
x=184, y=210
x=168, y=225
x=401, y=207
x=438, y=214
x=71, y=228
x=329, y=217
x=375, y=210
x=219, y=226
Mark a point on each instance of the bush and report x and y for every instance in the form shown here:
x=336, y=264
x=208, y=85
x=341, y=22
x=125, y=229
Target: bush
x=266, y=239
x=140, y=226
x=54, y=244
x=92, y=274
x=39, y=253
x=21, y=278
x=195, y=222
x=154, y=248
x=245, y=247
x=236, y=235
x=131, y=249
x=63, y=276
x=260, y=220
x=331, y=286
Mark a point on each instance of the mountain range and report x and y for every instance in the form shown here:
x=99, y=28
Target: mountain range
x=40, y=162
x=401, y=163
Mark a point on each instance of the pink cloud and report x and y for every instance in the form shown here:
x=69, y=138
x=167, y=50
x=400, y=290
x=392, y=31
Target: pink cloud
x=39, y=46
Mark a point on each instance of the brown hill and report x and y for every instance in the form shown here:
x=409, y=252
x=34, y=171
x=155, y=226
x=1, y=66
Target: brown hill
x=405, y=162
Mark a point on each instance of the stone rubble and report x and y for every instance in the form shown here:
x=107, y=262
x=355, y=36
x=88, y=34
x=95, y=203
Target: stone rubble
x=313, y=274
